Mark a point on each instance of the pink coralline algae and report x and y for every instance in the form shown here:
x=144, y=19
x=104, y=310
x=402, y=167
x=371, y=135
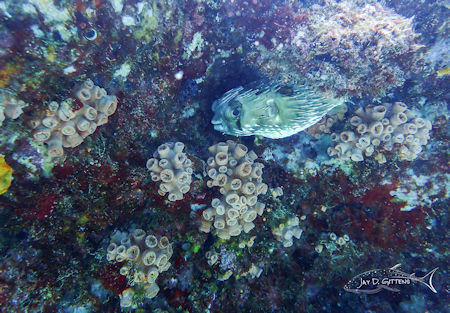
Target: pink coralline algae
x=345, y=48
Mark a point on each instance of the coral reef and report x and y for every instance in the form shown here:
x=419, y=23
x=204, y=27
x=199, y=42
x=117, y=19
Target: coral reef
x=171, y=166
x=63, y=126
x=346, y=47
x=232, y=168
x=10, y=106
x=380, y=130
x=167, y=62
x=145, y=257
x=285, y=232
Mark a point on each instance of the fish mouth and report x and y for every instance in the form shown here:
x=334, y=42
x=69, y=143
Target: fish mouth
x=216, y=119
x=218, y=125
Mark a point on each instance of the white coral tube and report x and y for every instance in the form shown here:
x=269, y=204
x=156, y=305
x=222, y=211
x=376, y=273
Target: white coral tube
x=248, y=188
x=244, y=169
x=83, y=124
x=152, y=165
x=138, y=235
x=42, y=134
x=221, y=158
x=102, y=119
x=347, y=136
x=219, y=223
x=377, y=113
x=151, y=241
x=107, y=105
x=178, y=147
x=397, y=119
x=239, y=151
x=55, y=148
x=133, y=253
x=72, y=141
x=90, y=113
x=398, y=107
x=163, y=151
x=376, y=128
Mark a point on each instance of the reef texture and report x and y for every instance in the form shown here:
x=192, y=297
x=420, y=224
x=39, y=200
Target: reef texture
x=171, y=166
x=143, y=258
x=382, y=129
x=344, y=47
x=232, y=168
x=65, y=126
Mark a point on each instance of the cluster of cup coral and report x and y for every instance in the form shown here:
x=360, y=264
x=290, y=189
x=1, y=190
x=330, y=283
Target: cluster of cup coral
x=322, y=127
x=172, y=167
x=285, y=232
x=144, y=256
x=10, y=106
x=232, y=169
x=380, y=129
x=61, y=126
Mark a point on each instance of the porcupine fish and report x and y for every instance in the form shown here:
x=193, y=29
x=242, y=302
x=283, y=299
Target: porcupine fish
x=270, y=110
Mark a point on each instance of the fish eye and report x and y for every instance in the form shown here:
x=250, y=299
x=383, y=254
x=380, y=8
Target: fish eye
x=236, y=112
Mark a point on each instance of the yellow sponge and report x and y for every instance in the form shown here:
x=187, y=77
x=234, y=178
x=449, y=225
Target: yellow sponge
x=5, y=175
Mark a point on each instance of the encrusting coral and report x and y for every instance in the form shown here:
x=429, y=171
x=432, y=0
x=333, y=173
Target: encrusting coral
x=287, y=231
x=10, y=106
x=171, y=166
x=232, y=168
x=349, y=47
x=62, y=126
x=380, y=129
x=145, y=257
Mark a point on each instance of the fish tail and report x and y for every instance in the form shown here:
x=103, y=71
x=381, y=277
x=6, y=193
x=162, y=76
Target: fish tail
x=429, y=277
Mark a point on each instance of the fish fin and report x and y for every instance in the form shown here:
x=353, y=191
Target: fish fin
x=389, y=288
x=395, y=266
x=429, y=276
